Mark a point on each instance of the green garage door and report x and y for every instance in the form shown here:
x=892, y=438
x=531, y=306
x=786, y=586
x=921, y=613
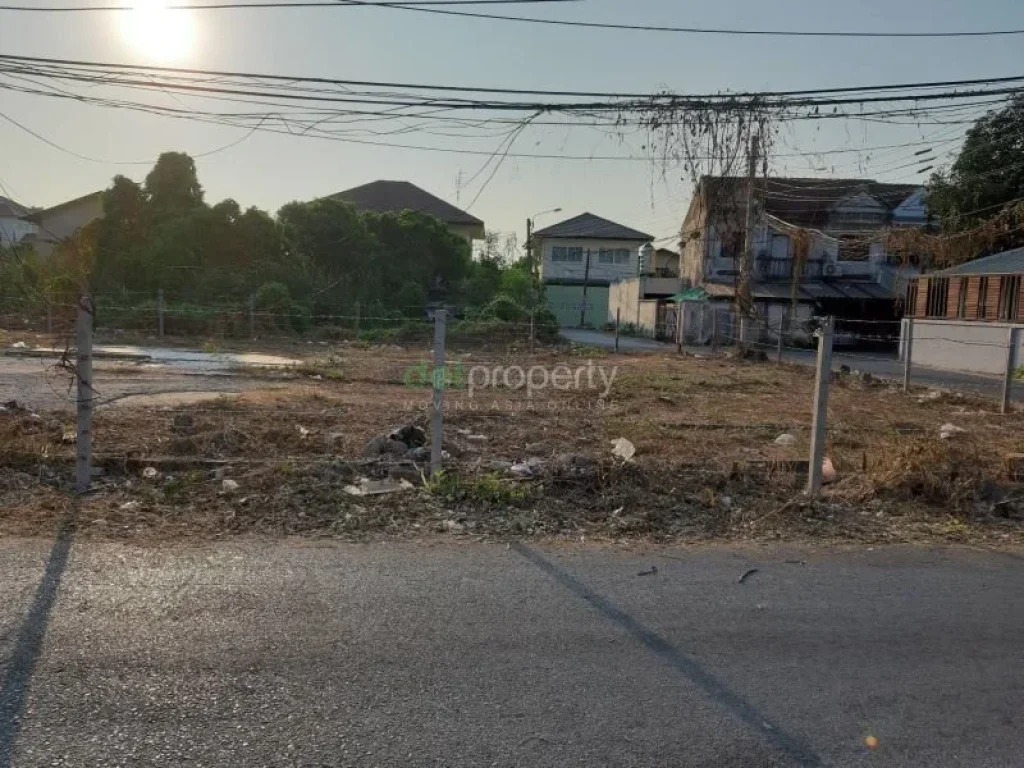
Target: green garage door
x=565, y=302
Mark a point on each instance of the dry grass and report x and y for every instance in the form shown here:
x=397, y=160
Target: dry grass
x=706, y=465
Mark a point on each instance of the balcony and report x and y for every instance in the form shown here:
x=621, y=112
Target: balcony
x=770, y=268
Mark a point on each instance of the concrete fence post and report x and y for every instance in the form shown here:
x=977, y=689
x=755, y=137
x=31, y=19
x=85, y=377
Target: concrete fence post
x=908, y=353
x=439, y=380
x=822, y=380
x=85, y=395
x=160, y=311
x=1011, y=368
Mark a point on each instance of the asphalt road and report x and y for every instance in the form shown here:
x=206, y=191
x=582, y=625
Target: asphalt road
x=880, y=364
x=296, y=653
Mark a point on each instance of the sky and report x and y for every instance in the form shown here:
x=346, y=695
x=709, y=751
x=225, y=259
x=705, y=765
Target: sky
x=269, y=170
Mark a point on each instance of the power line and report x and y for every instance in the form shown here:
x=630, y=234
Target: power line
x=257, y=5
x=664, y=95
x=691, y=30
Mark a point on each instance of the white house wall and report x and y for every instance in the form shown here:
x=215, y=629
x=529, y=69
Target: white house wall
x=12, y=229
x=599, y=273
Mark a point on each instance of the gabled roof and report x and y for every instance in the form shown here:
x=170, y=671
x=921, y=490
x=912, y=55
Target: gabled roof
x=36, y=215
x=11, y=209
x=808, y=202
x=1005, y=263
x=395, y=196
x=587, y=225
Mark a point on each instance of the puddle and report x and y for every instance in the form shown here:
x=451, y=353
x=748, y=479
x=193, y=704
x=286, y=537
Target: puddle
x=171, y=398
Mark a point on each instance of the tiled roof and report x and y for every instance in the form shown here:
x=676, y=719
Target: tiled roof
x=808, y=202
x=395, y=196
x=11, y=209
x=587, y=225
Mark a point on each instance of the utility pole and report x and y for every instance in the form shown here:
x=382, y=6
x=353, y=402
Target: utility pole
x=744, y=294
x=529, y=245
x=586, y=282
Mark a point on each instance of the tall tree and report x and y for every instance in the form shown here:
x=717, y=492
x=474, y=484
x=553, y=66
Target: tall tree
x=173, y=186
x=988, y=173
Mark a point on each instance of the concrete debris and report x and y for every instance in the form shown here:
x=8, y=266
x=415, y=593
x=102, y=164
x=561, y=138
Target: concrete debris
x=948, y=431
x=69, y=436
x=453, y=526
x=477, y=438
x=129, y=506
x=150, y=473
x=527, y=468
x=785, y=439
x=19, y=345
x=228, y=485
x=367, y=487
x=623, y=449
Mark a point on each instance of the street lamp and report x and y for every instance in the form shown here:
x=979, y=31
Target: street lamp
x=529, y=237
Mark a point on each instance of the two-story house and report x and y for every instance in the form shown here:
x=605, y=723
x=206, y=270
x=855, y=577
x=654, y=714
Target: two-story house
x=816, y=240
x=579, y=259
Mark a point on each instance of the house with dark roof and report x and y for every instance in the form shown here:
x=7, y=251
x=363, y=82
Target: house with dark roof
x=398, y=196
x=816, y=240
x=579, y=259
x=13, y=226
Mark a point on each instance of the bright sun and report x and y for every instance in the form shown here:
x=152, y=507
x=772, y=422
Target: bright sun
x=159, y=32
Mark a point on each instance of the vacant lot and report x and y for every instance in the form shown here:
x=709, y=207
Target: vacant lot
x=519, y=461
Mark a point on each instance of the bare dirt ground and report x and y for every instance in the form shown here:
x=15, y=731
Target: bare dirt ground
x=706, y=464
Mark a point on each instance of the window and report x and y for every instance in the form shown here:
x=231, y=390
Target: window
x=1009, y=291
x=961, y=299
x=613, y=256
x=562, y=253
x=983, y=298
x=938, y=296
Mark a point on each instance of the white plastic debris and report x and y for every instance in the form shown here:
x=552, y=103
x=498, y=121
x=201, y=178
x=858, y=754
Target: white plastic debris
x=150, y=473
x=947, y=431
x=623, y=449
x=19, y=345
x=785, y=439
x=129, y=506
x=369, y=487
x=303, y=432
x=527, y=468
x=228, y=485
x=477, y=438
x=69, y=436
x=828, y=472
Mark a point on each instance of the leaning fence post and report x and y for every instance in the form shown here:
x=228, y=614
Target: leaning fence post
x=782, y=330
x=908, y=349
x=1011, y=367
x=160, y=311
x=821, y=383
x=252, y=315
x=439, y=378
x=617, y=311
x=83, y=377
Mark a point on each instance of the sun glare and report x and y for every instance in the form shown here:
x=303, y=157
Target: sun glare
x=160, y=33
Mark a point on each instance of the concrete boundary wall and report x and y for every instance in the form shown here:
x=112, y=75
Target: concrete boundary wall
x=958, y=345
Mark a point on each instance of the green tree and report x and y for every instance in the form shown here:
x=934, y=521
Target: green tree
x=173, y=185
x=988, y=173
